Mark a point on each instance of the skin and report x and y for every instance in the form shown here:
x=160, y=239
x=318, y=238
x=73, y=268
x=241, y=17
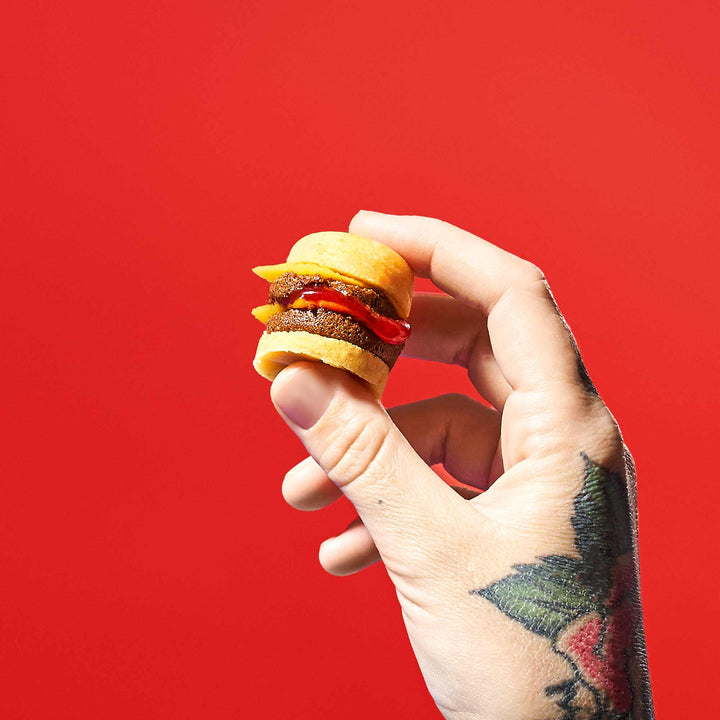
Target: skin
x=521, y=601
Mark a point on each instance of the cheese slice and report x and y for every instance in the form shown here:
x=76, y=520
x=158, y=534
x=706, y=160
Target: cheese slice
x=273, y=272
x=264, y=312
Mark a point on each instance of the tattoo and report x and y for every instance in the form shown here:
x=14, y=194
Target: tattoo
x=585, y=379
x=583, y=375
x=585, y=606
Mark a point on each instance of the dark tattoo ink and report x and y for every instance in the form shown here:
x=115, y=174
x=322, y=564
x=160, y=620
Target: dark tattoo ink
x=583, y=375
x=585, y=606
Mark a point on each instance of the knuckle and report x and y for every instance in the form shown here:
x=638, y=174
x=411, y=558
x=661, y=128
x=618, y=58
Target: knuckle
x=530, y=279
x=607, y=438
x=456, y=402
x=358, y=449
x=571, y=420
x=527, y=282
x=606, y=423
x=596, y=430
x=531, y=276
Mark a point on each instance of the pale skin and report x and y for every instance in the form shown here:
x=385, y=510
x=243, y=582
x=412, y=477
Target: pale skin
x=479, y=654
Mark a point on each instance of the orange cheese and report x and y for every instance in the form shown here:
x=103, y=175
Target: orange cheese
x=264, y=312
x=273, y=272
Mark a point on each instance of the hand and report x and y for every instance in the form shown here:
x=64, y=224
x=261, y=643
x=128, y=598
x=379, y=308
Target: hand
x=521, y=602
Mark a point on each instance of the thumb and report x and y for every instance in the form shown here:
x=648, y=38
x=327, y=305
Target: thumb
x=347, y=431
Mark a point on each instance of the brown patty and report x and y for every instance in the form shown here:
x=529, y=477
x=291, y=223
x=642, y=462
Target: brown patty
x=321, y=321
x=289, y=282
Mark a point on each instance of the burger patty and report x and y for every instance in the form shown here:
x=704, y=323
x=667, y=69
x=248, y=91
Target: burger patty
x=321, y=321
x=290, y=282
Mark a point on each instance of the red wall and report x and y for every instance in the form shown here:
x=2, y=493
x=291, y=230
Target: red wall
x=152, y=153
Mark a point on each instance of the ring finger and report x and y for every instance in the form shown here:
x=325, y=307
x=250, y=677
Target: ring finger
x=448, y=331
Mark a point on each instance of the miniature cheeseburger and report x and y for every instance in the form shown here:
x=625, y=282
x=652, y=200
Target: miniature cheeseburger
x=341, y=299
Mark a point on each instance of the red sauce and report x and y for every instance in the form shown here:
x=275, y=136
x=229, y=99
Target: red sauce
x=393, y=332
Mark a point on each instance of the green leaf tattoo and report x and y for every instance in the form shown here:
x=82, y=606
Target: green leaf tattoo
x=544, y=597
x=602, y=524
x=584, y=605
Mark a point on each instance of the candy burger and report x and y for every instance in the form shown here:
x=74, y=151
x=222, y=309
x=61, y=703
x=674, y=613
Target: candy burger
x=340, y=299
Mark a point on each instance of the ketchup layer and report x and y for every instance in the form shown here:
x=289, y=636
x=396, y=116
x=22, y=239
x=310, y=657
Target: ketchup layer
x=393, y=332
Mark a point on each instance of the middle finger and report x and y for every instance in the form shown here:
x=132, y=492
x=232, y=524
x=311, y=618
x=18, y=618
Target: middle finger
x=448, y=331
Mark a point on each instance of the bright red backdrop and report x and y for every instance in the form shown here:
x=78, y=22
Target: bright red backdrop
x=152, y=153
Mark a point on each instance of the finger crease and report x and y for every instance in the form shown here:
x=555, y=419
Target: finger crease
x=440, y=453
x=465, y=354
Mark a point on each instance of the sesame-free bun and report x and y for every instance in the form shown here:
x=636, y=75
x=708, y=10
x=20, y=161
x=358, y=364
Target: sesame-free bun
x=366, y=260
x=278, y=349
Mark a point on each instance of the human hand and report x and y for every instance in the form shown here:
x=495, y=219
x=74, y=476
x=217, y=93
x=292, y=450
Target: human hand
x=521, y=602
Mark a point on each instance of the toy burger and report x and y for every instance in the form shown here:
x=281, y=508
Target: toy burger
x=341, y=299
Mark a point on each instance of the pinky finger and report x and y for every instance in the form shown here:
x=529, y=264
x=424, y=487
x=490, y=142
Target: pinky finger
x=351, y=551
x=307, y=487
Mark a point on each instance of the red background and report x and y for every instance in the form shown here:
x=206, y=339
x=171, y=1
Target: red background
x=152, y=153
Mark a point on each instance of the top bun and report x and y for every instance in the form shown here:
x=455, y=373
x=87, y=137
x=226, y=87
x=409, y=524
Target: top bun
x=366, y=260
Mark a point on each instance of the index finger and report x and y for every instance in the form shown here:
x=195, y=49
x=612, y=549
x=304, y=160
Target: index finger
x=530, y=340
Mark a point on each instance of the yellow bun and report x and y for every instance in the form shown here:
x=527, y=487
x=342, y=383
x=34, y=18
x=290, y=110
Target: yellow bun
x=366, y=260
x=278, y=349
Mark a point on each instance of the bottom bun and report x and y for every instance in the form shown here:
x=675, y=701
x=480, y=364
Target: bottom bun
x=278, y=349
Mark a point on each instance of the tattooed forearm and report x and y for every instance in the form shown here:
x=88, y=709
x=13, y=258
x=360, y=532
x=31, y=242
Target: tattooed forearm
x=588, y=606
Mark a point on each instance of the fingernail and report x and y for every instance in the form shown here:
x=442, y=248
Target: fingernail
x=301, y=395
x=366, y=213
x=358, y=216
